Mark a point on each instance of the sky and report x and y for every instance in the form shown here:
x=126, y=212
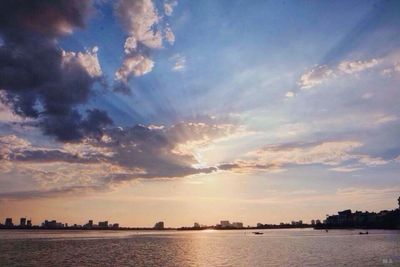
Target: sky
x=136, y=111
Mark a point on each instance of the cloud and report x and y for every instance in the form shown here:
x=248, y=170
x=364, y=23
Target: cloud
x=138, y=18
x=119, y=156
x=136, y=65
x=289, y=94
x=391, y=70
x=327, y=153
x=315, y=76
x=350, y=67
x=169, y=35
x=336, y=154
x=379, y=118
x=179, y=62
x=345, y=169
x=367, y=95
x=6, y=113
x=321, y=73
x=50, y=193
x=71, y=126
x=169, y=7
x=146, y=31
x=40, y=80
x=372, y=161
x=87, y=60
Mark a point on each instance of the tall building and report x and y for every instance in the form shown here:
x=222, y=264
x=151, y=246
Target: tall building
x=22, y=222
x=103, y=224
x=237, y=225
x=53, y=224
x=159, y=226
x=8, y=222
x=398, y=202
x=225, y=224
x=29, y=223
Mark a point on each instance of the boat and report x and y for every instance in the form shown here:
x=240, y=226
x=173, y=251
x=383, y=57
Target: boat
x=363, y=233
x=258, y=233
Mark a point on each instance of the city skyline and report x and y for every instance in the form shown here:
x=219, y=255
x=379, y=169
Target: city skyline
x=193, y=111
x=224, y=224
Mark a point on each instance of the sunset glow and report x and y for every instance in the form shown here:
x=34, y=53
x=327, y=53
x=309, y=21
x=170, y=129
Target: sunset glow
x=197, y=111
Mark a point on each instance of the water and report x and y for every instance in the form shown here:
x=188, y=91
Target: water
x=199, y=248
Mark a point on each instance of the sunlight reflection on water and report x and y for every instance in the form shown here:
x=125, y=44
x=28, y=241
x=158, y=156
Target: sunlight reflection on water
x=197, y=248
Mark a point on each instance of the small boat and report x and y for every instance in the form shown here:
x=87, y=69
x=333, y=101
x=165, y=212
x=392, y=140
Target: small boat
x=363, y=233
x=258, y=233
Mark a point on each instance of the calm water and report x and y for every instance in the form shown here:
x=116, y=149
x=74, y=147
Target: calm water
x=202, y=248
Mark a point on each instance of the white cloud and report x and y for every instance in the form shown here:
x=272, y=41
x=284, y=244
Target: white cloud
x=384, y=118
x=340, y=155
x=321, y=73
x=367, y=95
x=138, y=18
x=289, y=94
x=11, y=143
x=147, y=30
x=136, y=65
x=130, y=45
x=179, y=62
x=6, y=113
x=87, y=60
x=372, y=161
x=169, y=35
x=315, y=76
x=169, y=7
x=345, y=169
x=350, y=67
x=329, y=153
x=391, y=70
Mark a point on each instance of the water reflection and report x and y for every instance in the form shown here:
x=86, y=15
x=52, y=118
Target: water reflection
x=197, y=248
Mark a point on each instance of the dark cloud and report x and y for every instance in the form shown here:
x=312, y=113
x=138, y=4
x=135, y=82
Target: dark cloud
x=51, y=193
x=39, y=79
x=131, y=153
x=247, y=166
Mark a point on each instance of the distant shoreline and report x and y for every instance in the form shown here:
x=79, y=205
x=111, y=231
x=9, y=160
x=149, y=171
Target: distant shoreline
x=151, y=229
x=188, y=229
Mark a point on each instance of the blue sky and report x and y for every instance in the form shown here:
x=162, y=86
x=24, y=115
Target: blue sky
x=231, y=105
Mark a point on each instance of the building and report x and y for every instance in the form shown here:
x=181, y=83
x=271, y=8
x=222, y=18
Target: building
x=385, y=219
x=225, y=224
x=196, y=225
x=297, y=223
x=53, y=224
x=103, y=224
x=238, y=225
x=8, y=222
x=398, y=202
x=344, y=217
x=22, y=222
x=29, y=223
x=159, y=226
x=89, y=225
